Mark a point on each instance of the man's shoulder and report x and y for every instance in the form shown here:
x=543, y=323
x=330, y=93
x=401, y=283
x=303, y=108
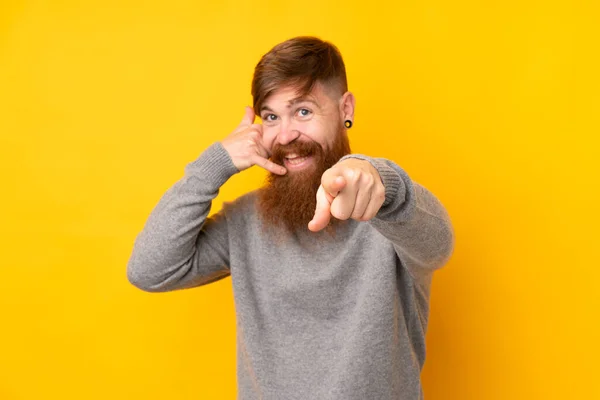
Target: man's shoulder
x=244, y=205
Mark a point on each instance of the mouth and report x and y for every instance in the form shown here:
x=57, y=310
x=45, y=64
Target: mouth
x=295, y=161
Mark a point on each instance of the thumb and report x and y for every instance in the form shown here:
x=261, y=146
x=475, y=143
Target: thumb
x=333, y=183
x=322, y=212
x=248, y=116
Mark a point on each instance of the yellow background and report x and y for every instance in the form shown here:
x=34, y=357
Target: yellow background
x=492, y=105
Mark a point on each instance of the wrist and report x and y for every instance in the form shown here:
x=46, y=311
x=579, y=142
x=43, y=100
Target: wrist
x=215, y=164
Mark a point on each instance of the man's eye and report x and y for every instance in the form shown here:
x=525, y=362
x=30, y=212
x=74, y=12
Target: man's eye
x=270, y=117
x=303, y=112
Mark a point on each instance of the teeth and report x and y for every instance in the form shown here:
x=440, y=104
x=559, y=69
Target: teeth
x=297, y=160
x=293, y=155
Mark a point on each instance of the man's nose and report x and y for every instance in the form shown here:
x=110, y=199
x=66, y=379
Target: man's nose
x=287, y=134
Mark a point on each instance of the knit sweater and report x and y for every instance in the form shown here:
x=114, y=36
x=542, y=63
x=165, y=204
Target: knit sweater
x=319, y=316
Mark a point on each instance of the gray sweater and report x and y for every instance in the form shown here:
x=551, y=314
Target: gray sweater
x=318, y=317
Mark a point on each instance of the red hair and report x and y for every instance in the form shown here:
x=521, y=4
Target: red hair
x=301, y=62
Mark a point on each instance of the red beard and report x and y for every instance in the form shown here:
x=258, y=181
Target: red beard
x=289, y=201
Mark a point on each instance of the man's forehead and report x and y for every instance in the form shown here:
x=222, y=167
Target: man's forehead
x=289, y=96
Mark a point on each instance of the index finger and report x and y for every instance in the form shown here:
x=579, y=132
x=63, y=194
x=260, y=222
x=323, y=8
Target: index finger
x=322, y=212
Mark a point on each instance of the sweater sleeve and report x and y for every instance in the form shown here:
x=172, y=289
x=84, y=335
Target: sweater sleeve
x=180, y=247
x=413, y=219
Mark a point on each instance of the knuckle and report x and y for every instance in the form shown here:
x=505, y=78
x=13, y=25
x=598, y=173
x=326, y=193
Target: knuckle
x=254, y=134
x=368, y=183
x=353, y=175
x=335, y=211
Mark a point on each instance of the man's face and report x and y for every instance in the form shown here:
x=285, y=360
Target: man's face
x=289, y=120
x=307, y=136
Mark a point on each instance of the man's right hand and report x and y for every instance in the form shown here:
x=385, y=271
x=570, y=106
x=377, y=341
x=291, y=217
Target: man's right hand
x=245, y=146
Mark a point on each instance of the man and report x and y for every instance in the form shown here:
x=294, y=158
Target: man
x=331, y=262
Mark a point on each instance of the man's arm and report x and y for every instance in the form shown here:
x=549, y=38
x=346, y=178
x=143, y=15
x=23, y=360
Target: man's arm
x=413, y=219
x=179, y=247
x=402, y=210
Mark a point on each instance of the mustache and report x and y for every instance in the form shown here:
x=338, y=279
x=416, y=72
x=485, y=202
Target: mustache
x=301, y=148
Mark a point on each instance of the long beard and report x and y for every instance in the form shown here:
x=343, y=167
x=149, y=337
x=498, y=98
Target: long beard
x=288, y=202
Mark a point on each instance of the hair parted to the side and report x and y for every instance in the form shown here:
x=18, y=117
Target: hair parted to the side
x=300, y=62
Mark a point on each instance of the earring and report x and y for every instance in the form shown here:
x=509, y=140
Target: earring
x=348, y=124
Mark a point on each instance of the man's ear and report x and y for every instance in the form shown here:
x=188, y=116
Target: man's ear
x=347, y=106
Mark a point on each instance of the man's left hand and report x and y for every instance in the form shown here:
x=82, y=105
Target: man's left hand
x=350, y=189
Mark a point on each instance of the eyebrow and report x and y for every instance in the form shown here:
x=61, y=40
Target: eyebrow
x=301, y=99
